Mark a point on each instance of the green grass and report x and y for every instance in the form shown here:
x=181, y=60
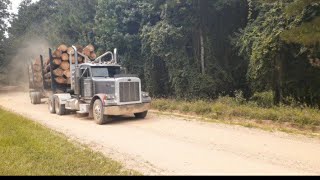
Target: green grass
x=226, y=108
x=27, y=148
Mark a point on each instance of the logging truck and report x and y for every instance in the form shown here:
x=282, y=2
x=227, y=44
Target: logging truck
x=88, y=86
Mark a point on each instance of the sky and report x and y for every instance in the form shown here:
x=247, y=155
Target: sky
x=14, y=7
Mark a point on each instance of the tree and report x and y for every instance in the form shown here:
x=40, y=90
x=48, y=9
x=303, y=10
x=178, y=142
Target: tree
x=265, y=43
x=4, y=15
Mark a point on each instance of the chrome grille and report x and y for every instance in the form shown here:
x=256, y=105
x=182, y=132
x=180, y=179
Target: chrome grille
x=129, y=91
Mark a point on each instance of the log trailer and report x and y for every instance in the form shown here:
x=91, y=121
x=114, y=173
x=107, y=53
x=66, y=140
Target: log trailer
x=97, y=89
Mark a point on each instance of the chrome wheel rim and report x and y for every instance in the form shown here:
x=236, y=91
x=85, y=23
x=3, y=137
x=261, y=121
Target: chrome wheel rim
x=50, y=105
x=57, y=106
x=97, y=112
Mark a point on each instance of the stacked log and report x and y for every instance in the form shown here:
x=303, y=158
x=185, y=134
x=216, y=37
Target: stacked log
x=36, y=74
x=61, y=62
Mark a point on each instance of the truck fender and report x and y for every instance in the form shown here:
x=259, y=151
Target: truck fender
x=97, y=96
x=63, y=98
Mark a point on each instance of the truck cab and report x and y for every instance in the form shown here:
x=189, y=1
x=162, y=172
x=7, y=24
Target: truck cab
x=120, y=94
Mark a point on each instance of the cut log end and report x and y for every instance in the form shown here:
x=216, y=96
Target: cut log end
x=65, y=65
x=90, y=47
x=63, y=48
x=65, y=57
x=70, y=51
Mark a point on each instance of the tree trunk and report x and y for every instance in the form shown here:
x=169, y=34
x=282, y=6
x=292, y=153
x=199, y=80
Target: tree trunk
x=203, y=12
x=277, y=81
x=203, y=70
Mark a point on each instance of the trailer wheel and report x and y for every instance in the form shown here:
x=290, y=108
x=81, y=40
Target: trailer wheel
x=60, y=108
x=51, y=104
x=98, y=113
x=141, y=115
x=35, y=98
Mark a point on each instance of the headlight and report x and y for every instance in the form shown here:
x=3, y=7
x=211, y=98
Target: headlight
x=145, y=94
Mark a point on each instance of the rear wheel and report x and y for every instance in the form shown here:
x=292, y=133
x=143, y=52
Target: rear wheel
x=98, y=113
x=59, y=108
x=35, y=98
x=141, y=115
x=51, y=105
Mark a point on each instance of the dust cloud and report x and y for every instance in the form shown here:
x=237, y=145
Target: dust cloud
x=17, y=69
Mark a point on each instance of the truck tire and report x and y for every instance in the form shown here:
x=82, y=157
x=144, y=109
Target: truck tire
x=38, y=97
x=141, y=115
x=59, y=108
x=98, y=113
x=35, y=98
x=51, y=104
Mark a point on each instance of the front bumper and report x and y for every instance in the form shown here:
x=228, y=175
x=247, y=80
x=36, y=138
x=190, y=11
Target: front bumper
x=126, y=109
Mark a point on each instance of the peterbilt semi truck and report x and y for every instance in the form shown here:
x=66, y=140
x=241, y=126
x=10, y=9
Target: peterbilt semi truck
x=98, y=89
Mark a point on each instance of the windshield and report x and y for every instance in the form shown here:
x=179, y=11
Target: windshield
x=105, y=71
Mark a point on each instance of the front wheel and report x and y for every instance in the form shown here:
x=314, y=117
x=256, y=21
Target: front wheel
x=141, y=115
x=98, y=113
x=51, y=105
x=60, y=108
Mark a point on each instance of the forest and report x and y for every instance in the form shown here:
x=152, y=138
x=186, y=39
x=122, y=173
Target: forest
x=185, y=49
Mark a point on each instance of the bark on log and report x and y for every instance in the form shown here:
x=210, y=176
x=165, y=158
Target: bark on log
x=57, y=54
x=93, y=55
x=65, y=57
x=80, y=59
x=73, y=60
x=38, y=79
x=37, y=62
x=58, y=72
x=86, y=52
x=63, y=48
x=67, y=73
x=57, y=62
x=37, y=68
x=38, y=84
x=47, y=68
x=61, y=80
x=79, y=48
x=47, y=61
x=69, y=81
x=48, y=81
x=47, y=76
x=65, y=65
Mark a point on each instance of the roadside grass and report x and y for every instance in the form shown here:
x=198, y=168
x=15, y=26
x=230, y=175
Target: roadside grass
x=28, y=148
x=228, y=109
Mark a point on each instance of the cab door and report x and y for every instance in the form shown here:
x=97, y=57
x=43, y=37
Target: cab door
x=86, y=83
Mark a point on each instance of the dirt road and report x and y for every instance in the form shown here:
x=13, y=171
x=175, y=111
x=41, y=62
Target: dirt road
x=165, y=145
